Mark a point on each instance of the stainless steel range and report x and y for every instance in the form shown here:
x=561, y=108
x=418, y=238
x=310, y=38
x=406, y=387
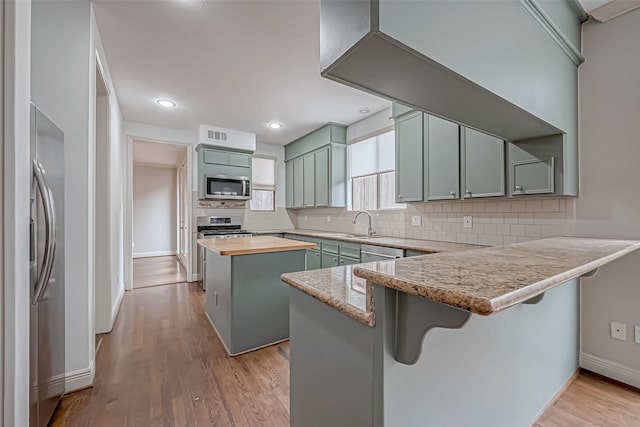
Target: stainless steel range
x=216, y=227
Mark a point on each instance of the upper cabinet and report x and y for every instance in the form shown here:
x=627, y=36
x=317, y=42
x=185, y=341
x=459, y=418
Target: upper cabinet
x=409, y=160
x=316, y=168
x=442, y=159
x=483, y=165
x=524, y=87
x=437, y=159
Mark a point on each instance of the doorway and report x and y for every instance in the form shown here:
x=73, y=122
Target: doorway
x=102, y=206
x=160, y=213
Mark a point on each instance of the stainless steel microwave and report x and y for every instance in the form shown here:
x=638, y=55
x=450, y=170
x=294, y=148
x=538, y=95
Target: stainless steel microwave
x=225, y=187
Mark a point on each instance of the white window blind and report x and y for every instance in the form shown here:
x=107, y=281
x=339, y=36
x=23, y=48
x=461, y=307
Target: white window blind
x=263, y=184
x=371, y=169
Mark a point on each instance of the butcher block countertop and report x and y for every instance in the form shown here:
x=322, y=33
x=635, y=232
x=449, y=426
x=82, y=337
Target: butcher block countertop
x=253, y=245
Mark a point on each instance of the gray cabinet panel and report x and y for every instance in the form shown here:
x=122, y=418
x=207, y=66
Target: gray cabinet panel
x=322, y=173
x=314, y=260
x=239, y=159
x=442, y=157
x=298, y=178
x=329, y=260
x=409, y=158
x=216, y=157
x=348, y=261
x=483, y=165
x=308, y=181
x=398, y=109
x=533, y=176
x=289, y=184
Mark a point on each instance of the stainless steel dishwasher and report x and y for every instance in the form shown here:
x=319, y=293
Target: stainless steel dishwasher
x=369, y=253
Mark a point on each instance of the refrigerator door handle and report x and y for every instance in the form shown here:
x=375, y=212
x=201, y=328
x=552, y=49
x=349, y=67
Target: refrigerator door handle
x=50, y=231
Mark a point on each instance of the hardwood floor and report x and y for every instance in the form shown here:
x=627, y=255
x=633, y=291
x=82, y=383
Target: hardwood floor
x=155, y=271
x=592, y=400
x=163, y=365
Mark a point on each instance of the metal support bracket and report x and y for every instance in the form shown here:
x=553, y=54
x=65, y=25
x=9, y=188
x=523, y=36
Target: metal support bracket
x=415, y=316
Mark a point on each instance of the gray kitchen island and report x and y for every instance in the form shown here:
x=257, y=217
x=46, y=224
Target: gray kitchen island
x=246, y=302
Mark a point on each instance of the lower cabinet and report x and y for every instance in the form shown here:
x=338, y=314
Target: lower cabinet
x=329, y=260
x=314, y=259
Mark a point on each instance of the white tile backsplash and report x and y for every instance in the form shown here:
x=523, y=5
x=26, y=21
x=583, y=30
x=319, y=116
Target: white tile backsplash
x=495, y=222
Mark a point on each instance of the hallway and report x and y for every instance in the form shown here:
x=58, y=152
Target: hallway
x=156, y=271
x=163, y=365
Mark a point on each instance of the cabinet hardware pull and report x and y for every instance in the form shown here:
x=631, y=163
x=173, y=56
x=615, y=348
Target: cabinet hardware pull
x=453, y=193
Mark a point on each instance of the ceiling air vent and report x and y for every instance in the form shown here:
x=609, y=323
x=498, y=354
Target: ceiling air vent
x=216, y=135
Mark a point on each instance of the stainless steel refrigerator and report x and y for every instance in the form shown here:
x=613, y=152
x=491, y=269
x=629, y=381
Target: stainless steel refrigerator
x=47, y=335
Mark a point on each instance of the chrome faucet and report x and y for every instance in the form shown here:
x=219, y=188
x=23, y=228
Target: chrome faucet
x=370, y=230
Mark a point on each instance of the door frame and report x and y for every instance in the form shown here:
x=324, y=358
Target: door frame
x=183, y=208
x=128, y=205
x=101, y=233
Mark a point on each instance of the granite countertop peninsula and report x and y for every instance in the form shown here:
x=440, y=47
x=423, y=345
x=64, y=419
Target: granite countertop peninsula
x=482, y=281
x=427, y=246
x=253, y=245
x=338, y=288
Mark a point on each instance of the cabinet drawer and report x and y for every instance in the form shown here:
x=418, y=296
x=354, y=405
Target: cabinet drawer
x=240, y=159
x=216, y=157
x=350, y=250
x=330, y=246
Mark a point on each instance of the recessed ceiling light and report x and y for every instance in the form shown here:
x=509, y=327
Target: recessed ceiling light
x=166, y=103
x=364, y=111
x=275, y=125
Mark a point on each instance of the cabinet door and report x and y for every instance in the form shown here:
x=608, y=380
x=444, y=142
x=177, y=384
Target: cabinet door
x=329, y=260
x=313, y=260
x=289, y=183
x=483, y=165
x=322, y=177
x=297, y=178
x=240, y=159
x=409, y=160
x=216, y=157
x=532, y=176
x=308, y=181
x=442, y=174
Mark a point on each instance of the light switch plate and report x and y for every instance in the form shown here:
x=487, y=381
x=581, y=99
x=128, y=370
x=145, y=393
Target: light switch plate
x=467, y=221
x=305, y=218
x=619, y=331
x=637, y=334
x=416, y=220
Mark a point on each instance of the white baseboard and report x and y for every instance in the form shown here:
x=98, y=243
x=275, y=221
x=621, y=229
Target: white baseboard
x=80, y=379
x=610, y=369
x=195, y=277
x=153, y=254
x=116, y=307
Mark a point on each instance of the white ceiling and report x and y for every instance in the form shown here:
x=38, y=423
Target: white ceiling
x=233, y=64
x=155, y=153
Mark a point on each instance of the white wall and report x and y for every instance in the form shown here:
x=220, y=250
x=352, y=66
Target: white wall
x=608, y=205
x=15, y=273
x=61, y=85
x=154, y=211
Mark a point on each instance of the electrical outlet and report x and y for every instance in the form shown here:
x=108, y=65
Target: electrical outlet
x=305, y=218
x=467, y=221
x=637, y=334
x=416, y=220
x=328, y=218
x=619, y=331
